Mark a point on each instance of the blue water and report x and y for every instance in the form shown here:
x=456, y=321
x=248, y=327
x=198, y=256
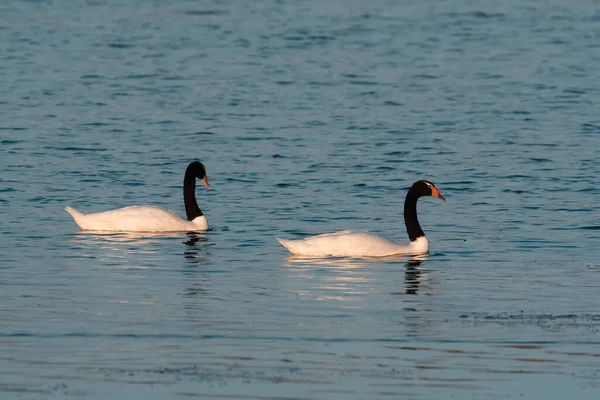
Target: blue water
x=310, y=116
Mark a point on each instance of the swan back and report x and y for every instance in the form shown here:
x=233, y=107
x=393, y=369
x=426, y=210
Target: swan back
x=352, y=244
x=137, y=219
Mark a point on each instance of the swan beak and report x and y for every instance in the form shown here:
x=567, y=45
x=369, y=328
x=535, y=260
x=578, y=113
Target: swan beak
x=435, y=192
x=205, y=182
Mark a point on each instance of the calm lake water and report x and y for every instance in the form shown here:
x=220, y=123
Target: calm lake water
x=310, y=116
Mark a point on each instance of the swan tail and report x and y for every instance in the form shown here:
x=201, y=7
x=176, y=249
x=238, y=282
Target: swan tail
x=74, y=213
x=77, y=216
x=287, y=244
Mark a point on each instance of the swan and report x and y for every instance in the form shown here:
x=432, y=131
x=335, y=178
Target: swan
x=151, y=218
x=365, y=244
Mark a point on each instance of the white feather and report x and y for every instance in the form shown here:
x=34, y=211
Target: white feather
x=137, y=219
x=353, y=244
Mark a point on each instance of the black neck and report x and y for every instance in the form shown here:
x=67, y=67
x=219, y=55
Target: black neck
x=192, y=210
x=413, y=228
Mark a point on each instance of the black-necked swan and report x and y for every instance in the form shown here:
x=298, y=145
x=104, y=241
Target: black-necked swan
x=365, y=244
x=151, y=218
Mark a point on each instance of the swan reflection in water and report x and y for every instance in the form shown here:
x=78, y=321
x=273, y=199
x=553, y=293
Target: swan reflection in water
x=350, y=279
x=414, y=275
x=197, y=280
x=110, y=246
x=124, y=245
x=193, y=247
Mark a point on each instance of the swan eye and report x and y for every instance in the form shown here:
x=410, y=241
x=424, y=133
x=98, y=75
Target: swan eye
x=429, y=185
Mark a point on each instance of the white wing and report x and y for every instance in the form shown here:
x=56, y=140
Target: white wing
x=137, y=219
x=351, y=244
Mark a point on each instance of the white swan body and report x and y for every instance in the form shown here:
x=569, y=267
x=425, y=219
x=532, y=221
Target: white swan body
x=353, y=244
x=137, y=219
x=365, y=244
x=151, y=218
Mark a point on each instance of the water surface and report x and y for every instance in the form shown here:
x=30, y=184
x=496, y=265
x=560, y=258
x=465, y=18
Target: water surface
x=311, y=117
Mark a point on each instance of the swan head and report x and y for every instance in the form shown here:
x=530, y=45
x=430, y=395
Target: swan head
x=198, y=170
x=425, y=188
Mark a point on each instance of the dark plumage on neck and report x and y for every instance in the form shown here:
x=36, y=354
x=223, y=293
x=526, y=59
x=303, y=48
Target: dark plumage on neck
x=193, y=171
x=418, y=189
x=413, y=228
